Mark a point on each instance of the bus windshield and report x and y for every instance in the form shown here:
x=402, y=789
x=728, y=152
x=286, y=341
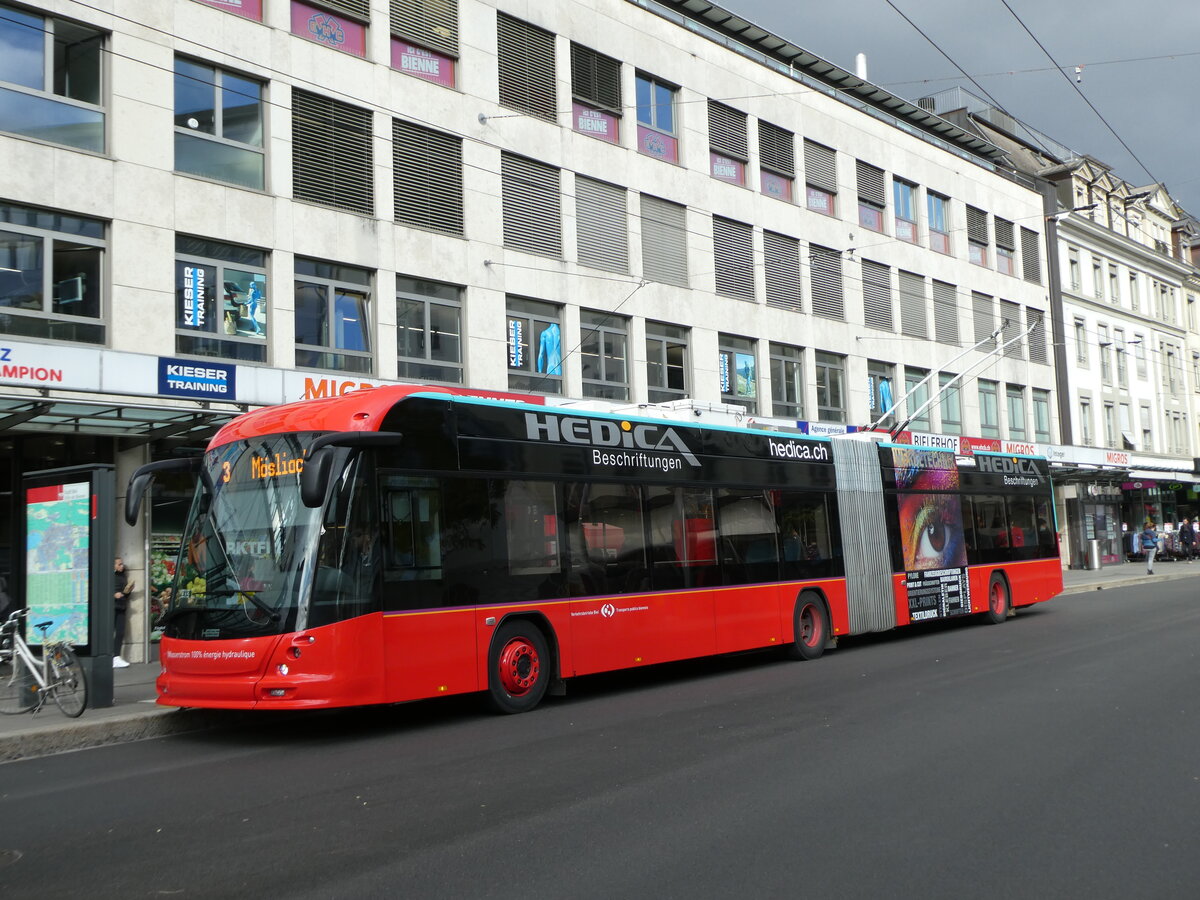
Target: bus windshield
x=241, y=569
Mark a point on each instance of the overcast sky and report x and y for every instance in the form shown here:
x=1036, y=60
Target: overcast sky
x=1140, y=59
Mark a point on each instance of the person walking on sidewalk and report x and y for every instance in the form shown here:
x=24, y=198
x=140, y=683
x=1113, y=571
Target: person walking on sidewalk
x=1187, y=538
x=1149, y=545
x=122, y=588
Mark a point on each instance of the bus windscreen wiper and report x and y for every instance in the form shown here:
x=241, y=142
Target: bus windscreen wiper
x=221, y=592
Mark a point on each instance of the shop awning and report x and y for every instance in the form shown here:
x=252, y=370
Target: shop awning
x=139, y=424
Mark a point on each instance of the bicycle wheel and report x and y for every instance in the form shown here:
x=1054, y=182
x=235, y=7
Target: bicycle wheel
x=69, y=686
x=17, y=687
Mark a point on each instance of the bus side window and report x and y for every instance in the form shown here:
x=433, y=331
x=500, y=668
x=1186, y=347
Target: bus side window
x=608, y=550
x=749, y=538
x=531, y=526
x=805, y=531
x=413, y=526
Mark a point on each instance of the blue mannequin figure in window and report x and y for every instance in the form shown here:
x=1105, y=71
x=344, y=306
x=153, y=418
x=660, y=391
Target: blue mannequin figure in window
x=549, y=358
x=885, y=395
x=253, y=299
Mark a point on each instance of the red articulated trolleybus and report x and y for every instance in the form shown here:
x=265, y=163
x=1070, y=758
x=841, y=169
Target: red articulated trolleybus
x=406, y=542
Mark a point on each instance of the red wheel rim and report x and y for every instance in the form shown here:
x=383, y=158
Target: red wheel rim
x=998, y=598
x=810, y=626
x=519, y=666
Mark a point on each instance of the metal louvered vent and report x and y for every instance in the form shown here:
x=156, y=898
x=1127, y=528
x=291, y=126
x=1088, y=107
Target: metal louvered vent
x=1010, y=314
x=945, y=313
x=1031, y=260
x=430, y=23
x=664, y=241
x=983, y=310
x=596, y=78
x=877, y=295
x=355, y=9
x=820, y=166
x=977, y=225
x=782, y=257
x=331, y=153
x=914, y=320
x=825, y=266
x=601, y=224
x=525, y=64
x=1004, y=234
x=1037, y=336
x=733, y=257
x=427, y=176
x=871, y=183
x=532, y=198
x=727, y=130
x=776, y=149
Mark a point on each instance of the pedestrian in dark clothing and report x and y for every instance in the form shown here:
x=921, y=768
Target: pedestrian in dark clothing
x=1149, y=545
x=1187, y=539
x=122, y=588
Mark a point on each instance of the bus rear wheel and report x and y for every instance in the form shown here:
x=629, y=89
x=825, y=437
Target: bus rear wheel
x=810, y=626
x=998, y=600
x=518, y=667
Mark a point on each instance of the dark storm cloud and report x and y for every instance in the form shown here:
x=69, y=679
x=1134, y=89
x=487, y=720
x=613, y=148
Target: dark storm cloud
x=1125, y=50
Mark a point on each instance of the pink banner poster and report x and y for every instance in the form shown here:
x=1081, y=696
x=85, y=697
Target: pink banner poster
x=725, y=169
x=594, y=123
x=330, y=30
x=251, y=9
x=656, y=144
x=776, y=186
x=413, y=60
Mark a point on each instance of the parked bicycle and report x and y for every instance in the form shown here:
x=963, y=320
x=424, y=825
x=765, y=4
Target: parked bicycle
x=27, y=679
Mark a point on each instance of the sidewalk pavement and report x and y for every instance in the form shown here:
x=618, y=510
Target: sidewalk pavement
x=134, y=715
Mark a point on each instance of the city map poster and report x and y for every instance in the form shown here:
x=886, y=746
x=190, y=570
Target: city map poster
x=58, y=535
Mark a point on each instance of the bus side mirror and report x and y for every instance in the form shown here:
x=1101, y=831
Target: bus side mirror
x=139, y=481
x=318, y=465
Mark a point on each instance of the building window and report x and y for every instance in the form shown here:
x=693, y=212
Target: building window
x=914, y=316
x=1010, y=337
x=831, y=387
x=1085, y=422
x=531, y=200
x=825, y=270
x=939, y=221
x=666, y=362
x=787, y=381
x=1135, y=298
x=977, y=236
x=1035, y=322
x=989, y=410
x=1147, y=431
x=218, y=125
x=945, y=313
x=1139, y=355
x=872, y=195
x=727, y=148
x=904, y=196
x=1121, y=352
x=332, y=155
x=316, y=23
x=427, y=178
x=1110, y=425
x=1015, y=397
x=51, y=80
x=777, y=160
x=664, y=241
x=877, y=295
x=881, y=392
x=1103, y=343
x=429, y=338
x=820, y=177
x=525, y=65
x=596, y=92
x=601, y=226
x=432, y=29
x=1114, y=285
x=1081, y=348
x=333, y=326
x=1006, y=247
x=220, y=300
x=737, y=368
x=1098, y=279
x=733, y=258
x=950, y=402
x=657, y=136
x=1074, y=279
x=917, y=395
x=781, y=258
x=534, y=340
x=1041, y=415
x=604, y=354
x=983, y=312
x=51, y=265
x=1031, y=258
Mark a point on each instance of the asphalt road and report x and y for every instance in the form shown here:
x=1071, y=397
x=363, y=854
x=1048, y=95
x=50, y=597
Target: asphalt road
x=1056, y=755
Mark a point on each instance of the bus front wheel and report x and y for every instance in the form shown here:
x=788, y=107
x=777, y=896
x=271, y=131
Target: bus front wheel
x=518, y=667
x=998, y=600
x=810, y=626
